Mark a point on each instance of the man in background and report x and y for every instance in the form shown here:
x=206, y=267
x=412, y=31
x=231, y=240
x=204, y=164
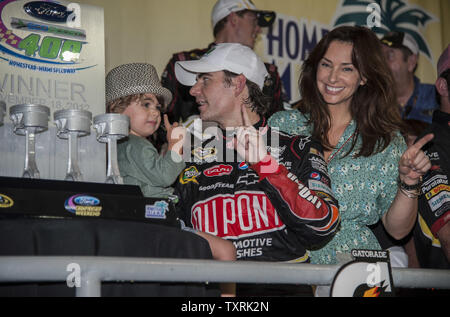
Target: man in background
x=432, y=231
x=233, y=21
x=417, y=101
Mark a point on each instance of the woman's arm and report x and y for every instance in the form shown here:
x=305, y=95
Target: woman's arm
x=401, y=216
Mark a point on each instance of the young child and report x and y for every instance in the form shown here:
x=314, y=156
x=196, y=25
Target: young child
x=134, y=90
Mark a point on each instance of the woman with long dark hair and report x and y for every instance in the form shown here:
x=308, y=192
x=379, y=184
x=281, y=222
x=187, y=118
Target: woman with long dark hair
x=349, y=105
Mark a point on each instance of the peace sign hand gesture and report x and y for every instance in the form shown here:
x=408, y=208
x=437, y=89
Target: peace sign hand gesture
x=249, y=142
x=414, y=163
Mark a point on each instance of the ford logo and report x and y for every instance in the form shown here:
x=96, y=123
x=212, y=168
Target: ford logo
x=47, y=11
x=86, y=201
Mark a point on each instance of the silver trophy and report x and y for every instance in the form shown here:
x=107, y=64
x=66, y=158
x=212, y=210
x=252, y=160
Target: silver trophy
x=71, y=125
x=29, y=120
x=110, y=128
x=2, y=111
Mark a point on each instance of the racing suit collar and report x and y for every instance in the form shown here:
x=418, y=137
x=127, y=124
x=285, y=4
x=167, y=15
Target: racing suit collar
x=227, y=135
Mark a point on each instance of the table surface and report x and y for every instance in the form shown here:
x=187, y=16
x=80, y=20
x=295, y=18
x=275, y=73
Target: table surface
x=101, y=237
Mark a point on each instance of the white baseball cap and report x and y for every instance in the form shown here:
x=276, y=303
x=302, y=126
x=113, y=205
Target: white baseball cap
x=399, y=40
x=233, y=57
x=223, y=8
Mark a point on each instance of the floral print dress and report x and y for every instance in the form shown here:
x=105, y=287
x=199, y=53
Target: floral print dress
x=365, y=186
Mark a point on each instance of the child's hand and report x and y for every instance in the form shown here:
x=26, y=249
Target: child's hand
x=175, y=136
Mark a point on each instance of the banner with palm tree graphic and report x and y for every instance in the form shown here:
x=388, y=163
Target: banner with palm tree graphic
x=300, y=27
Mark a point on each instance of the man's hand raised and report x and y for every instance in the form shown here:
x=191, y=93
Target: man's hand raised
x=249, y=142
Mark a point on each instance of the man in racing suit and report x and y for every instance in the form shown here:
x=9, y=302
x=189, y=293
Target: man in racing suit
x=432, y=230
x=267, y=192
x=431, y=233
x=269, y=216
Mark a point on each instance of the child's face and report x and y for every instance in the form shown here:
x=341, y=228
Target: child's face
x=145, y=116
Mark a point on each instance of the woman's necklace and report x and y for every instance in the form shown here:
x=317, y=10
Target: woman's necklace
x=342, y=146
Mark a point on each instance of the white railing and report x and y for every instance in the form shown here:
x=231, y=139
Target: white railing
x=92, y=271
